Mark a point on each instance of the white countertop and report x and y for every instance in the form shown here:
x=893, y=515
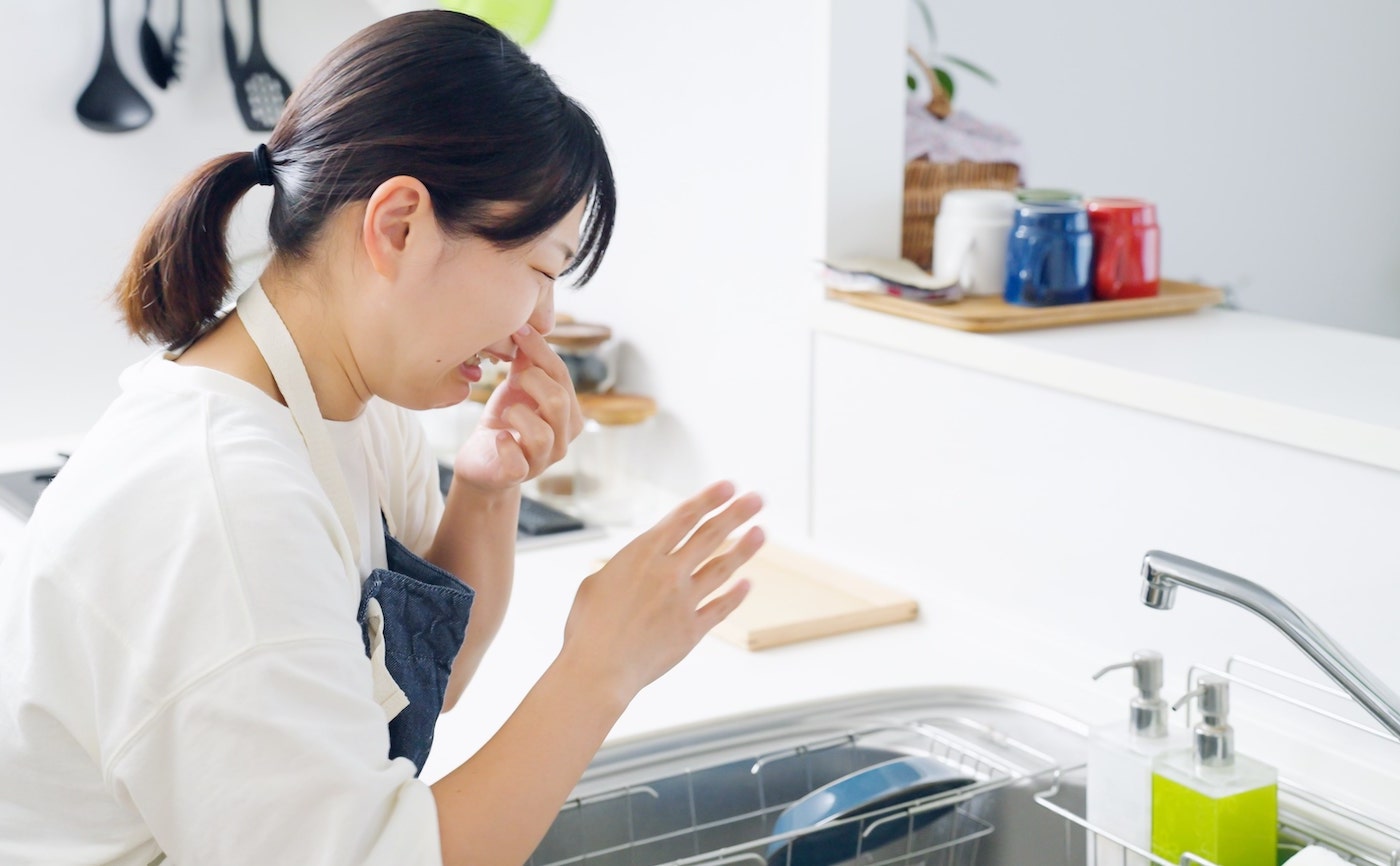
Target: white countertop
x=956, y=641
x=1310, y=386
x=948, y=644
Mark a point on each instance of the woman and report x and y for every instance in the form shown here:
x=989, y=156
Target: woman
x=219, y=642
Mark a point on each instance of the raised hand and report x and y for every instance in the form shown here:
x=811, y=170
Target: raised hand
x=640, y=614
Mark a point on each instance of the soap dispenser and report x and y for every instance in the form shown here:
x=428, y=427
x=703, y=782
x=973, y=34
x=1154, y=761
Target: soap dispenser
x=1210, y=801
x=1119, y=794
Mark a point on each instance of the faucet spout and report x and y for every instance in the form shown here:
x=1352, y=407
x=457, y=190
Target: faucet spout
x=1158, y=590
x=1163, y=572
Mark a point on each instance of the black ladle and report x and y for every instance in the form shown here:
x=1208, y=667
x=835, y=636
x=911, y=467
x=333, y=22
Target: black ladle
x=110, y=103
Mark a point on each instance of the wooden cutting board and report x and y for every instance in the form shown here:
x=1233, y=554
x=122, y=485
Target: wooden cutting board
x=795, y=598
x=993, y=315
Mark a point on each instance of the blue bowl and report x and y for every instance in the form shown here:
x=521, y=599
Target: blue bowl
x=864, y=792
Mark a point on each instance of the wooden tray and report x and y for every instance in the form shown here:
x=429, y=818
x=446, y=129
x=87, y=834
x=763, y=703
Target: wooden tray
x=793, y=598
x=991, y=315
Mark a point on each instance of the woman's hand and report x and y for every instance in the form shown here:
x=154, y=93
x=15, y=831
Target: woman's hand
x=529, y=421
x=641, y=613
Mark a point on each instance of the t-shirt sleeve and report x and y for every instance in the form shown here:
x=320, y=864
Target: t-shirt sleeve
x=271, y=759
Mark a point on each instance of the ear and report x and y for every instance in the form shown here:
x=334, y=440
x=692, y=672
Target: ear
x=399, y=226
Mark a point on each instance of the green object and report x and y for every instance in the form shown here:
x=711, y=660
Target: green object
x=971, y=67
x=1046, y=195
x=937, y=62
x=1227, y=815
x=945, y=80
x=521, y=20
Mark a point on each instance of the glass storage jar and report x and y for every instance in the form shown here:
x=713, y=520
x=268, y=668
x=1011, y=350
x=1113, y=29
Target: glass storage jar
x=600, y=480
x=589, y=352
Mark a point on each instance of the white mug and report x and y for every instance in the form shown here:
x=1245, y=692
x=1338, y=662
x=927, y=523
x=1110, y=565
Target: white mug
x=969, y=238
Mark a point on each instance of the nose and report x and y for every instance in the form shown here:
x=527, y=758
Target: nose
x=542, y=318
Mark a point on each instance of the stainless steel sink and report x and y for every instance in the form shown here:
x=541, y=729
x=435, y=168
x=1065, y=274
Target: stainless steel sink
x=712, y=793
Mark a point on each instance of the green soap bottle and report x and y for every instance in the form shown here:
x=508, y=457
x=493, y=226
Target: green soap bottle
x=1209, y=801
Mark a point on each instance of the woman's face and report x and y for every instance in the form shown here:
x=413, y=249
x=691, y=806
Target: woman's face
x=443, y=316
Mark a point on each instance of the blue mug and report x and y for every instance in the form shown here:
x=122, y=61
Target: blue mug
x=1048, y=255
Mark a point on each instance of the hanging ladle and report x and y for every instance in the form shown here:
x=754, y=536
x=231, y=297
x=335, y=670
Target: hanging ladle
x=110, y=103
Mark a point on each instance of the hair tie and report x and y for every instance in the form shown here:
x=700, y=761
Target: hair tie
x=262, y=160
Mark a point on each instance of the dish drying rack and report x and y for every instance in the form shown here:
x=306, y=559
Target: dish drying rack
x=938, y=830
x=1023, y=806
x=1305, y=818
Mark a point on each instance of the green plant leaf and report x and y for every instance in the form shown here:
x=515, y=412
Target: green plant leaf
x=944, y=80
x=971, y=67
x=911, y=82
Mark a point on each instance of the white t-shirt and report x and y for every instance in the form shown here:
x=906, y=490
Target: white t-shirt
x=181, y=669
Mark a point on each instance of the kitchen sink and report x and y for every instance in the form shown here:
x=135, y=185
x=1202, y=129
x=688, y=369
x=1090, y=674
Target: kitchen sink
x=712, y=794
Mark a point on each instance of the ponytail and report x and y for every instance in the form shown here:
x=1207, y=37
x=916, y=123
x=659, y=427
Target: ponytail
x=179, y=273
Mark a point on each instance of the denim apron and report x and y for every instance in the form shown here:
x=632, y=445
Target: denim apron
x=413, y=615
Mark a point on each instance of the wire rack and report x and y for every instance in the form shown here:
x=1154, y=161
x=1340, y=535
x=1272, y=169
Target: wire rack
x=727, y=813
x=1305, y=818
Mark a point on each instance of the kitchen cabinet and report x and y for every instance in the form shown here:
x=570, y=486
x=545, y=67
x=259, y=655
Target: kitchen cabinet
x=1030, y=473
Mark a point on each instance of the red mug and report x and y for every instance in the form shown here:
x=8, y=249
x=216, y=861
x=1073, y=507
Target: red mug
x=1127, y=248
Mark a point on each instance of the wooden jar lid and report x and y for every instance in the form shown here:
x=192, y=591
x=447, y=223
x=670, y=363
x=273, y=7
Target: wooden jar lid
x=609, y=410
x=578, y=336
x=612, y=410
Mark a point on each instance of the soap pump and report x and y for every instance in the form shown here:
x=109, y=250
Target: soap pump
x=1119, y=794
x=1209, y=800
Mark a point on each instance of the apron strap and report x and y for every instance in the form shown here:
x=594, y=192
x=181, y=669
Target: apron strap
x=275, y=342
x=279, y=350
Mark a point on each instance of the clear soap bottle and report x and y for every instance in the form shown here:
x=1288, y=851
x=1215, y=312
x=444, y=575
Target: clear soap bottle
x=1121, y=755
x=1210, y=801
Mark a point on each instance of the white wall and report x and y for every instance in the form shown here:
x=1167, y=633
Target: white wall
x=1264, y=129
x=714, y=118
x=713, y=114
x=734, y=177
x=75, y=200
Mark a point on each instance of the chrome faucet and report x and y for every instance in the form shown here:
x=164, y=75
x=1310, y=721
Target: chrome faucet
x=1163, y=572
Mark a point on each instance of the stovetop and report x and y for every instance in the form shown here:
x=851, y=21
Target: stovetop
x=20, y=490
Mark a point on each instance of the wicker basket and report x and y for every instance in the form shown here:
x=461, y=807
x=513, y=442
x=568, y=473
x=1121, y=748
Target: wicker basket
x=924, y=185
